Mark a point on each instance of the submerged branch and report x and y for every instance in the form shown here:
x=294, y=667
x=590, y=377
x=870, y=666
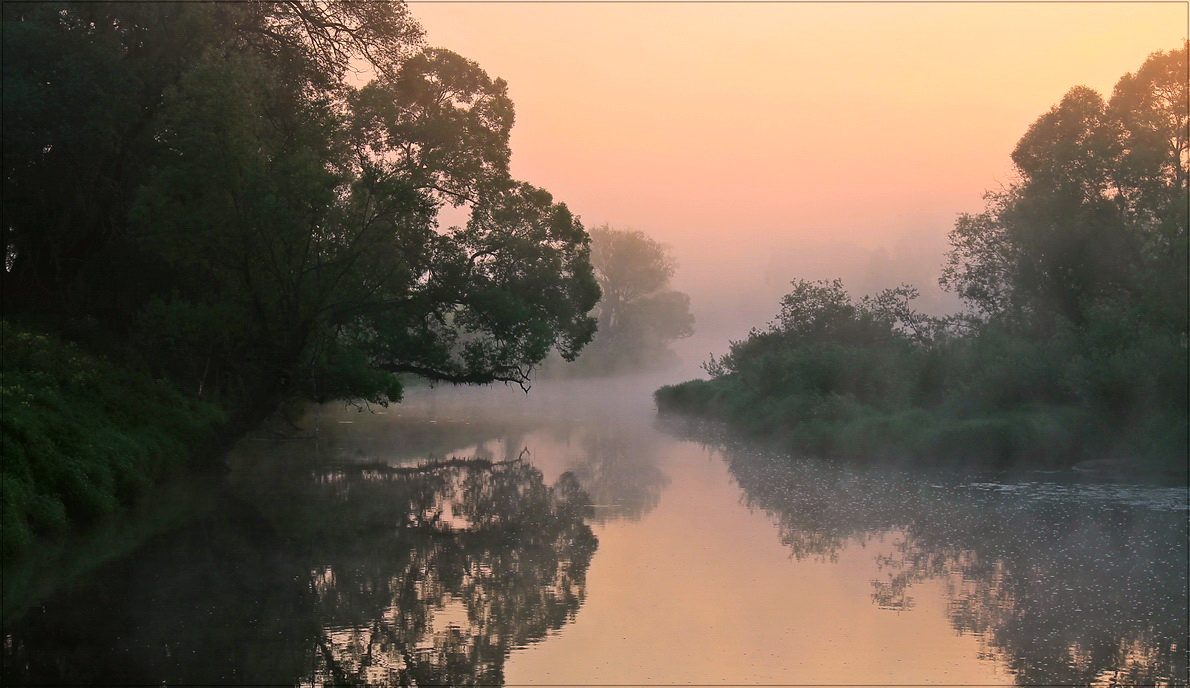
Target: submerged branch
x=429, y=466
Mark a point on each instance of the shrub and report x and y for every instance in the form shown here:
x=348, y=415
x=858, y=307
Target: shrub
x=82, y=436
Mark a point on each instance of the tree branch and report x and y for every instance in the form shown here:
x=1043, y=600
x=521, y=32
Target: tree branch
x=520, y=378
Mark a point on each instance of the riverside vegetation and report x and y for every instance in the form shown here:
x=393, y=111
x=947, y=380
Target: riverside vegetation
x=83, y=435
x=1074, y=343
x=206, y=215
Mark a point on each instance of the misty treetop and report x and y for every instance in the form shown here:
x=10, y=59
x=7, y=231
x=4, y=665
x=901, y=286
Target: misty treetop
x=639, y=315
x=1074, y=345
x=205, y=187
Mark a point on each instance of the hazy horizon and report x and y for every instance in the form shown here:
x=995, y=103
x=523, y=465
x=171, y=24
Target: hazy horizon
x=768, y=142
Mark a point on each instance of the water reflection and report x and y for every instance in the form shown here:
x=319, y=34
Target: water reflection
x=432, y=545
x=341, y=573
x=619, y=470
x=485, y=558
x=221, y=600
x=1068, y=583
x=615, y=459
x=595, y=430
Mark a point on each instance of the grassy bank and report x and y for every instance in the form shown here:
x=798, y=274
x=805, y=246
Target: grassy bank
x=83, y=436
x=839, y=427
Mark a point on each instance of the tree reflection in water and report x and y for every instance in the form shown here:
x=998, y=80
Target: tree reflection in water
x=344, y=575
x=616, y=462
x=619, y=470
x=431, y=574
x=1069, y=583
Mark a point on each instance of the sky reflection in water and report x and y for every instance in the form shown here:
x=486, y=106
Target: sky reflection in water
x=577, y=539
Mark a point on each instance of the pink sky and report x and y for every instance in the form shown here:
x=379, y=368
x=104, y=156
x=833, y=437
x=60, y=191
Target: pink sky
x=765, y=142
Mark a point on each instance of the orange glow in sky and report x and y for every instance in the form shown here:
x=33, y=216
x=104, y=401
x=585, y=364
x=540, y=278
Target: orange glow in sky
x=736, y=132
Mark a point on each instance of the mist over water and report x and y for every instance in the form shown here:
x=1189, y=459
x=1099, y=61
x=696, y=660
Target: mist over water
x=769, y=142
x=731, y=293
x=569, y=535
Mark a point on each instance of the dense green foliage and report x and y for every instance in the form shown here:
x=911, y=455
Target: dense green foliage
x=82, y=436
x=208, y=193
x=208, y=182
x=1075, y=345
x=639, y=316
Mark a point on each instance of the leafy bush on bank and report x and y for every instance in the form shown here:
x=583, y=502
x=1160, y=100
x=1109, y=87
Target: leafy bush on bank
x=1074, y=345
x=990, y=399
x=82, y=435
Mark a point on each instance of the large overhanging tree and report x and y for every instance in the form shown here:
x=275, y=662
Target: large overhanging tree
x=259, y=224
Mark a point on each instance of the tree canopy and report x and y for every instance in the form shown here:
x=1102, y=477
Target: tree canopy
x=639, y=316
x=206, y=184
x=1097, y=213
x=1075, y=342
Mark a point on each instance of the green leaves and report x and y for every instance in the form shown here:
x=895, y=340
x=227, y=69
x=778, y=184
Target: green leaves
x=498, y=294
x=439, y=121
x=207, y=179
x=1077, y=276
x=1099, y=208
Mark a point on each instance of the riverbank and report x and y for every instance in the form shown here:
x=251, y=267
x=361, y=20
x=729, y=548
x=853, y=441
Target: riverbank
x=84, y=436
x=288, y=569
x=839, y=427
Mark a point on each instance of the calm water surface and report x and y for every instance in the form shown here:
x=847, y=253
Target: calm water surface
x=572, y=537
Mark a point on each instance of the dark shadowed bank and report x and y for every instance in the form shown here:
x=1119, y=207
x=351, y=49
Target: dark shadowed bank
x=1074, y=345
x=83, y=436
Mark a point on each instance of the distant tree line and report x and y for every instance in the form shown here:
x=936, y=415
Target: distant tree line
x=1074, y=342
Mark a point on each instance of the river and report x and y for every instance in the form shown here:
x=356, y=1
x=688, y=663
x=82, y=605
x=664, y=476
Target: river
x=570, y=536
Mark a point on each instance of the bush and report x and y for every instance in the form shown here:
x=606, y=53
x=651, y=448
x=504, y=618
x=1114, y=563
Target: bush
x=82, y=436
x=847, y=383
